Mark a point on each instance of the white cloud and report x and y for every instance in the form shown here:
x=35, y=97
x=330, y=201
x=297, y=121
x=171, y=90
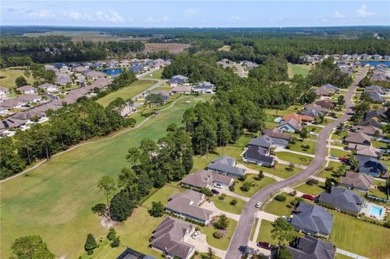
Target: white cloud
x=362, y=12
x=77, y=16
x=337, y=14
x=110, y=16
x=41, y=14
x=235, y=18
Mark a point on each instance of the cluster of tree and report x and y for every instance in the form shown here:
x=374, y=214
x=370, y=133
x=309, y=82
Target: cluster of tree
x=41, y=75
x=273, y=69
x=31, y=247
x=151, y=165
x=68, y=126
x=16, y=50
x=327, y=72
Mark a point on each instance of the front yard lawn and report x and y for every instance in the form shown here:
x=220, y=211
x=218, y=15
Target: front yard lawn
x=311, y=189
x=278, y=170
x=294, y=158
x=339, y=153
x=379, y=144
x=226, y=206
x=305, y=146
x=360, y=237
x=280, y=208
x=265, y=233
x=256, y=185
x=223, y=242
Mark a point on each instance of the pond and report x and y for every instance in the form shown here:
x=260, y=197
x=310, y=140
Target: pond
x=113, y=71
x=374, y=63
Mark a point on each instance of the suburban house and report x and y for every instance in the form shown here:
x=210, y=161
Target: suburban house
x=341, y=199
x=177, y=80
x=27, y=89
x=358, y=181
x=308, y=247
x=326, y=90
x=94, y=74
x=129, y=253
x=170, y=236
x=204, y=88
x=375, y=97
x=298, y=117
x=49, y=88
x=371, y=166
x=330, y=87
x=182, y=89
x=164, y=94
x=312, y=219
x=358, y=138
x=205, y=179
x=326, y=104
x=226, y=166
x=186, y=205
x=63, y=79
x=80, y=69
x=376, y=118
x=368, y=130
x=374, y=88
x=279, y=139
x=317, y=109
x=129, y=109
x=362, y=150
x=258, y=155
x=262, y=141
x=291, y=125
x=3, y=91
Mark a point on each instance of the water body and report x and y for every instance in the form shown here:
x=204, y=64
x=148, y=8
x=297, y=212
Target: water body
x=374, y=63
x=113, y=71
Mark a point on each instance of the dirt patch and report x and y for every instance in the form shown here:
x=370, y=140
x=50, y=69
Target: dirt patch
x=107, y=223
x=170, y=47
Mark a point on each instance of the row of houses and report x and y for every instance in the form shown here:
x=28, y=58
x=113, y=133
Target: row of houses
x=313, y=59
x=380, y=73
x=180, y=84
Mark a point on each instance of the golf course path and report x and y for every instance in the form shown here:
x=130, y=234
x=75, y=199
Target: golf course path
x=111, y=136
x=249, y=214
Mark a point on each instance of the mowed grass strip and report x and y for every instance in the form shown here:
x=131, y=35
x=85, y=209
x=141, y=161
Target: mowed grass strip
x=55, y=200
x=8, y=76
x=127, y=92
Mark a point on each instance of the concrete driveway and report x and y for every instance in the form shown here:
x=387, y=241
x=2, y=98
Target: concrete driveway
x=201, y=245
x=244, y=226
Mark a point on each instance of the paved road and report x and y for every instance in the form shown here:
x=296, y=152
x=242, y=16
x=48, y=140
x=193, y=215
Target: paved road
x=244, y=227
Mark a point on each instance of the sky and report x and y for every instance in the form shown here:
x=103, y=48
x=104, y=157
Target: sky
x=187, y=13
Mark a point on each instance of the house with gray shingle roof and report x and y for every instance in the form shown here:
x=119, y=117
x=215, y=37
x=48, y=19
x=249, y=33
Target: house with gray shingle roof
x=226, y=166
x=312, y=248
x=177, y=80
x=279, y=139
x=27, y=89
x=371, y=166
x=358, y=138
x=291, y=126
x=258, y=155
x=357, y=181
x=170, y=236
x=312, y=219
x=205, y=179
x=186, y=205
x=342, y=199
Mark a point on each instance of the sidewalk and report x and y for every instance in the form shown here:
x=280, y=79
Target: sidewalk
x=349, y=254
x=232, y=194
x=216, y=212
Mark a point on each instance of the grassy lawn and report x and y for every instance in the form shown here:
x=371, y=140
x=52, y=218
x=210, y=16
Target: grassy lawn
x=254, y=228
x=155, y=75
x=378, y=144
x=280, y=208
x=265, y=233
x=256, y=185
x=278, y=170
x=226, y=206
x=294, y=158
x=162, y=195
x=311, y=189
x=298, y=69
x=55, y=200
x=360, y=237
x=380, y=191
x=222, y=243
x=8, y=76
x=339, y=153
x=305, y=146
x=313, y=129
x=127, y=92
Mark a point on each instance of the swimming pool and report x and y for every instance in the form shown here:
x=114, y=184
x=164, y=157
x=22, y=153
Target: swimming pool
x=376, y=211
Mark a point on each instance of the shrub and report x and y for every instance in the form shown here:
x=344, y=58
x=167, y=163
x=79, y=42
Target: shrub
x=387, y=224
x=246, y=187
x=217, y=235
x=115, y=242
x=293, y=193
x=280, y=197
x=222, y=196
x=207, y=192
x=111, y=234
x=242, y=178
x=233, y=202
x=312, y=181
x=231, y=187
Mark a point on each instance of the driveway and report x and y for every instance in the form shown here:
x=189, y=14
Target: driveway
x=201, y=245
x=244, y=227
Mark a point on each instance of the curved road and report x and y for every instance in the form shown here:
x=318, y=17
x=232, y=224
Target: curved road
x=248, y=216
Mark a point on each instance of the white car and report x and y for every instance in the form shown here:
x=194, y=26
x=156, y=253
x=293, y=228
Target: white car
x=196, y=235
x=258, y=205
x=218, y=185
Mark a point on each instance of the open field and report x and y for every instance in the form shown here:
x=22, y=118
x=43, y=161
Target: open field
x=360, y=237
x=127, y=92
x=256, y=185
x=226, y=206
x=280, y=208
x=8, y=76
x=55, y=200
x=298, y=69
x=225, y=48
x=76, y=36
x=170, y=47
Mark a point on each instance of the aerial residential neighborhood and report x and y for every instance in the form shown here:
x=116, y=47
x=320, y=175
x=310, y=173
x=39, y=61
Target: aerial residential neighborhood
x=195, y=131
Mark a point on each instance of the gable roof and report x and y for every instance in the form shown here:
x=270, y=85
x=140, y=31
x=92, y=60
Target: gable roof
x=299, y=118
x=46, y=86
x=372, y=166
x=294, y=124
x=362, y=181
x=358, y=138
x=262, y=141
x=26, y=88
x=277, y=134
x=312, y=248
x=203, y=178
x=368, y=130
x=342, y=199
x=325, y=104
x=312, y=218
x=259, y=154
x=226, y=164
x=316, y=107
x=376, y=97
x=330, y=87
x=169, y=237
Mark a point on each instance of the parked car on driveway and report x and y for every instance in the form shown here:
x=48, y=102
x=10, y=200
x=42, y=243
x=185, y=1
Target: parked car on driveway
x=309, y=197
x=215, y=191
x=258, y=204
x=264, y=245
x=218, y=185
x=196, y=235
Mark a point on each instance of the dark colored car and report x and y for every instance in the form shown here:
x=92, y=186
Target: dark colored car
x=215, y=191
x=264, y=245
x=309, y=197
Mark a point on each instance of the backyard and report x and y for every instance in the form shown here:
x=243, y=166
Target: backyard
x=55, y=200
x=298, y=69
